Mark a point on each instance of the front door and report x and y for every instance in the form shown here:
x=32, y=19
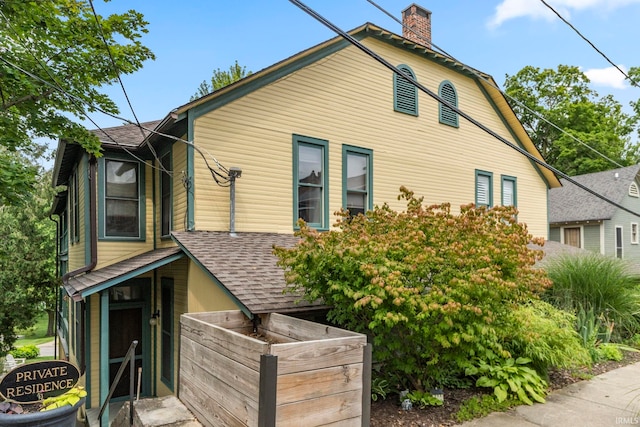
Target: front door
x=128, y=321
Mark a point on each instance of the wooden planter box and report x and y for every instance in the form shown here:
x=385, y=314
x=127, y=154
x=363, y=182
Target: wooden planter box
x=299, y=373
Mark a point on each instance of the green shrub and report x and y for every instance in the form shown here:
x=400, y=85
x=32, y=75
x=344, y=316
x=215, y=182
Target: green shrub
x=544, y=334
x=510, y=379
x=423, y=399
x=380, y=388
x=427, y=285
x=481, y=406
x=602, y=284
x=609, y=352
x=27, y=351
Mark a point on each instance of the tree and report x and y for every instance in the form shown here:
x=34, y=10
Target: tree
x=28, y=282
x=220, y=79
x=58, y=42
x=429, y=287
x=564, y=98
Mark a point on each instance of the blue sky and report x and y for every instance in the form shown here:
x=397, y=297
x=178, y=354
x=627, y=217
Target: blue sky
x=193, y=37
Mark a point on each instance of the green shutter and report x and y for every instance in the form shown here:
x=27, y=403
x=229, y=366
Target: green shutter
x=448, y=93
x=405, y=94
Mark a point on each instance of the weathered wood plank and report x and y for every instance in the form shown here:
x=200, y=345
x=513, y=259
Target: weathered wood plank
x=302, y=330
x=351, y=422
x=228, y=343
x=198, y=360
x=208, y=411
x=308, y=355
x=319, y=412
x=317, y=383
x=225, y=319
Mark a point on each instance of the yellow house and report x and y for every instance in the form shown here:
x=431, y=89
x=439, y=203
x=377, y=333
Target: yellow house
x=182, y=217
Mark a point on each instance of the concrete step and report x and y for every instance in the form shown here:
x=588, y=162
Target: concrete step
x=166, y=411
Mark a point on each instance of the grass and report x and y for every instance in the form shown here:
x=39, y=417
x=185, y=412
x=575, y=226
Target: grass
x=34, y=335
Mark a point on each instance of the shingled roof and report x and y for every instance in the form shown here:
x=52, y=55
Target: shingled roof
x=572, y=204
x=130, y=136
x=246, y=267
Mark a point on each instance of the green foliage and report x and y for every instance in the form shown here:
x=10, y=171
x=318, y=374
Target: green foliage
x=510, y=378
x=437, y=280
x=609, y=352
x=601, y=288
x=71, y=397
x=221, y=78
x=380, y=388
x=423, y=399
x=481, y=406
x=546, y=335
x=59, y=42
x=563, y=96
x=27, y=351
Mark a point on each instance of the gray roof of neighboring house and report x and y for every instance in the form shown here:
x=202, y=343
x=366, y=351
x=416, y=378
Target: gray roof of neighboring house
x=246, y=267
x=570, y=203
x=129, y=136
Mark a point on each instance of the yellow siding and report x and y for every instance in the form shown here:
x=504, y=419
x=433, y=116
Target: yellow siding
x=110, y=252
x=347, y=98
x=77, y=249
x=179, y=192
x=204, y=295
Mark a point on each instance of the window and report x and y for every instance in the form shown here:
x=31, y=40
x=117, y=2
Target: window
x=405, y=94
x=166, y=324
x=508, y=190
x=165, y=195
x=356, y=179
x=634, y=233
x=571, y=236
x=122, y=213
x=618, y=242
x=310, y=181
x=447, y=92
x=74, y=208
x=484, y=190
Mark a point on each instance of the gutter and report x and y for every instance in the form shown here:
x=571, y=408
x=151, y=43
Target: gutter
x=93, y=227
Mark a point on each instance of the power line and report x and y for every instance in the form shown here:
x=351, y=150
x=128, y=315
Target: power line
x=466, y=116
x=490, y=83
x=633, y=82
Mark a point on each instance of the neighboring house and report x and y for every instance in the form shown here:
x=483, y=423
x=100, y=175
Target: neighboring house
x=578, y=218
x=147, y=233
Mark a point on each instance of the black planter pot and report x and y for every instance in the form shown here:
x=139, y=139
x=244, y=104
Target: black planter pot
x=60, y=417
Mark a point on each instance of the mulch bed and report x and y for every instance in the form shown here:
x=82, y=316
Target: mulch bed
x=387, y=413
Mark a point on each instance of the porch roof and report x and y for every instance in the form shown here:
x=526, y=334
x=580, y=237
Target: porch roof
x=244, y=266
x=82, y=286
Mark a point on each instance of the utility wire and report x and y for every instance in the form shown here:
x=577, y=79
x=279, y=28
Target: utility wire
x=633, y=82
x=466, y=116
x=492, y=84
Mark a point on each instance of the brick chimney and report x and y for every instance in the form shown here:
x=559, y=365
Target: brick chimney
x=416, y=25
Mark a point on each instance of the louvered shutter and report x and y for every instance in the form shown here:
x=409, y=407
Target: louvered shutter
x=482, y=191
x=447, y=115
x=405, y=93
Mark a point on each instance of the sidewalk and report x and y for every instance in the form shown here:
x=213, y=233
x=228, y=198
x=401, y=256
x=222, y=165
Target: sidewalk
x=610, y=399
x=47, y=349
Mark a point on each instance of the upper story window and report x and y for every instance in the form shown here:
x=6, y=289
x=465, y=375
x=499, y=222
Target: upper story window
x=310, y=194
x=484, y=188
x=447, y=92
x=508, y=191
x=165, y=195
x=74, y=208
x=405, y=94
x=121, y=187
x=356, y=179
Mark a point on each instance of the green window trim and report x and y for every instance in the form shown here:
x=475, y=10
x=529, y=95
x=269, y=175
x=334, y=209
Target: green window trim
x=509, y=183
x=306, y=189
x=166, y=193
x=102, y=232
x=348, y=152
x=166, y=332
x=484, y=188
x=405, y=94
x=446, y=115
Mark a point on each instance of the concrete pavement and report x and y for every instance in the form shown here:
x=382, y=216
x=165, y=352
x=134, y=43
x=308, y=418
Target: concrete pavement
x=609, y=399
x=47, y=348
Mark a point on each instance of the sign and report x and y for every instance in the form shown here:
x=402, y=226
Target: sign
x=34, y=382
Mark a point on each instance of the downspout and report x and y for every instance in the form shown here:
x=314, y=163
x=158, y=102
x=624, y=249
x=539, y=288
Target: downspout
x=234, y=173
x=55, y=313
x=93, y=227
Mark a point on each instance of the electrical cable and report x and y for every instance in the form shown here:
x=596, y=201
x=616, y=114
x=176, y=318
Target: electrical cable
x=492, y=84
x=633, y=82
x=466, y=116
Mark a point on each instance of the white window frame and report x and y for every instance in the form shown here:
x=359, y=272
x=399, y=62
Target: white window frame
x=634, y=233
x=581, y=234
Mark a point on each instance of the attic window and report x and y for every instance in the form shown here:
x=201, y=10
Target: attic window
x=633, y=190
x=405, y=94
x=448, y=93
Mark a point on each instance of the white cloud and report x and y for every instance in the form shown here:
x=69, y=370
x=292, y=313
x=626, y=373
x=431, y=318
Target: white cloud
x=608, y=77
x=511, y=9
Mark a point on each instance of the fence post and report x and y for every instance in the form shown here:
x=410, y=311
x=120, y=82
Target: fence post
x=366, y=384
x=268, y=389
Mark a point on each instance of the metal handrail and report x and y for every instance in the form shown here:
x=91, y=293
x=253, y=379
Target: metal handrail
x=127, y=358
